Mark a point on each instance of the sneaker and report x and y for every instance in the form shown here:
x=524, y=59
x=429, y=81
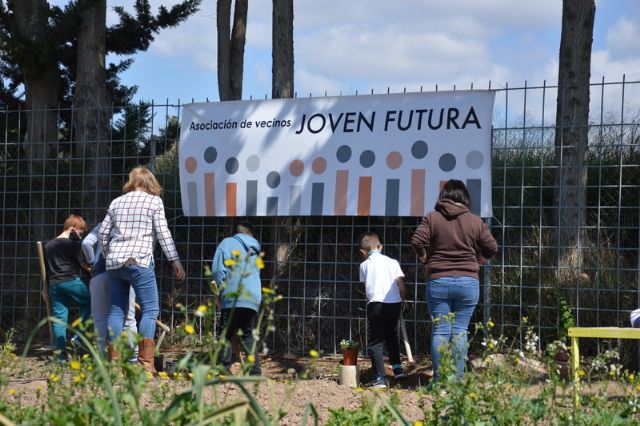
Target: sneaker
x=378, y=383
x=398, y=373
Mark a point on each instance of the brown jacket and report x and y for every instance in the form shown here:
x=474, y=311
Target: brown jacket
x=453, y=238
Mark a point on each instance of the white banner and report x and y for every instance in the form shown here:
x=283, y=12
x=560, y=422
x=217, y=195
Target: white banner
x=378, y=155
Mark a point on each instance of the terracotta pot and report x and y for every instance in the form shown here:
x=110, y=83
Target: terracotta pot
x=350, y=357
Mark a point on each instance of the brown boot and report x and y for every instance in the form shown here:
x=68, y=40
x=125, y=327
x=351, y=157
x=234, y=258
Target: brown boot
x=114, y=355
x=146, y=352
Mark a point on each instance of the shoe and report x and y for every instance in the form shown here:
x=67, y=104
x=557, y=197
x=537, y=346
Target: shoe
x=398, y=373
x=378, y=383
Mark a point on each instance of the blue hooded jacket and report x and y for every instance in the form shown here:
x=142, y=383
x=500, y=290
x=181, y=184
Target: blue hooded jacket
x=244, y=271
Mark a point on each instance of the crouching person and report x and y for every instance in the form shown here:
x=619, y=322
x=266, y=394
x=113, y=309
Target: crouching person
x=64, y=262
x=235, y=270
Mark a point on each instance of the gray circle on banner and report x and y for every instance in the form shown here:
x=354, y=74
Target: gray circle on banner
x=367, y=158
x=253, y=162
x=475, y=159
x=343, y=154
x=231, y=166
x=447, y=162
x=273, y=180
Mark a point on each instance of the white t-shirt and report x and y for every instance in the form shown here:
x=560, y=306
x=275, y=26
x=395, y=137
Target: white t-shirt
x=379, y=274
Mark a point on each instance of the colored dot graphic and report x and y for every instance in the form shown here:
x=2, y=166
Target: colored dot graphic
x=253, y=163
x=419, y=149
x=210, y=155
x=447, y=162
x=273, y=180
x=319, y=165
x=394, y=160
x=231, y=166
x=475, y=159
x=367, y=158
x=191, y=164
x=296, y=168
x=344, y=153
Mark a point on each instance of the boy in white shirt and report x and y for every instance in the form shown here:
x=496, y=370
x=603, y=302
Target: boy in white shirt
x=385, y=291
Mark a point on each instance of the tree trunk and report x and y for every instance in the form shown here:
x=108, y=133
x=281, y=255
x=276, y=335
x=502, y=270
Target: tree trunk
x=282, y=53
x=231, y=48
x=572, y=128
x=92, y=104
x=41, y=84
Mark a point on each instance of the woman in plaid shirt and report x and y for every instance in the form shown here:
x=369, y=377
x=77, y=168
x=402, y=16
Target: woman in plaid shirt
x=128, y=232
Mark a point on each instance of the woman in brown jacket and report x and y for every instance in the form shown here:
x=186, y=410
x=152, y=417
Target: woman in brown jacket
x=452, y=242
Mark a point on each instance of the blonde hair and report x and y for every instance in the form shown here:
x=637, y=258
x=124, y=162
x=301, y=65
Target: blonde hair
x=75, y=221
x=142, y=178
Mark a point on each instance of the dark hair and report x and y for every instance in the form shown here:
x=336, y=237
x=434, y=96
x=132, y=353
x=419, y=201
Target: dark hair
x=456, y=191
x=369, y=240
x=243, y=228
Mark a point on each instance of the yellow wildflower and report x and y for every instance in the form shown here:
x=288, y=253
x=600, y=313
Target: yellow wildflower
x=85, y=356
x=75, y=365
x=78, y=379
x=89, y=367
x=313, y=353
x=418, y=423
x=12, y=392
x=472, y=395
x=189, y=329
x=251, y=358
x=638, y=387
x=54, y=377
x=259, y=263
x=490, y=345
x=229, y=262
x=163, y=375
x=267, y=290
x=202, y=308
x=581, y=373
x=235, y=252
x=77, y=322
x=525, y=319
x=631, y=377
x=490, y=324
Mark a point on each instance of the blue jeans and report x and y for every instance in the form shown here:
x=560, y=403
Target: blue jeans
x=458, y=295
x=143, y=281
x=65, y=295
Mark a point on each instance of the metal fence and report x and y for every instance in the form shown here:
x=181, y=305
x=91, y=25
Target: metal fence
x=323, y=301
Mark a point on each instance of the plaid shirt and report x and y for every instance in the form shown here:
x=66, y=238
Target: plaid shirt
x=128, y=230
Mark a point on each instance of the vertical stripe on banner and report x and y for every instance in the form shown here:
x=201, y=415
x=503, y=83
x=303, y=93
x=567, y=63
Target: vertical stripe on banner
x=364, y=196
x=475, y=190
x=210, y=194
x=252, y=198
x=272, y=206
x=392, y=198
x=417, y=192
x=192, y=190
x=342, y=183
x=295, y=194
x=317, y=197
x=232, y=199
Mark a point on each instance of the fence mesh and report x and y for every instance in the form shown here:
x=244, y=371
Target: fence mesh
x=323, y=301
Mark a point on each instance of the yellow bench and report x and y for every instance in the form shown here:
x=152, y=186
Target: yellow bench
x=576, y=333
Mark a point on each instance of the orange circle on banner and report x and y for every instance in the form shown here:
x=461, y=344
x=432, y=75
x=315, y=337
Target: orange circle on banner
x=191, y=164
x=296, y=168
x=394, y=160
x=319, y=165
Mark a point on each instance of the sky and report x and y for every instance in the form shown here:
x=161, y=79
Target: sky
x=344, y=47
